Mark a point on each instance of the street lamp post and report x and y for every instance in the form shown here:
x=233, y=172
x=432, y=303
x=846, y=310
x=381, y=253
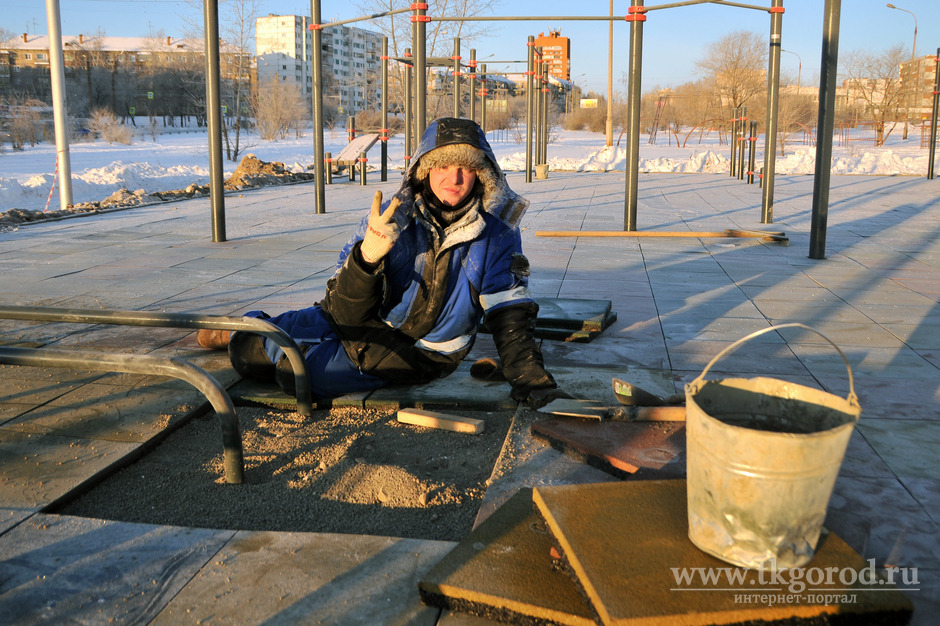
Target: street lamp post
x=911, y=69
x=799, y=72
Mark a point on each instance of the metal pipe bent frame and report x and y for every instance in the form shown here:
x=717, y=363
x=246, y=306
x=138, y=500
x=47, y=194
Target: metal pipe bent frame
x=144, y=364
x=179, y=320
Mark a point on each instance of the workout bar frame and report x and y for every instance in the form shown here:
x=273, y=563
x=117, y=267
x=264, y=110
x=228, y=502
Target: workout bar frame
x=179, y=320
x=152, y=365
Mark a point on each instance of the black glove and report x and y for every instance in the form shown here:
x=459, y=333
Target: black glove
x=540, y=397
x=513, y=332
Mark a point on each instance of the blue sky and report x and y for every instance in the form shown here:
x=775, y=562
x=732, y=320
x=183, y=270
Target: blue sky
x=673, y=38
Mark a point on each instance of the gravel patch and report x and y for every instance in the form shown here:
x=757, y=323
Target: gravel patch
x=346, y=470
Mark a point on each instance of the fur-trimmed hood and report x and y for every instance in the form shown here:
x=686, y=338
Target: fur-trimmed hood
x=498, y=198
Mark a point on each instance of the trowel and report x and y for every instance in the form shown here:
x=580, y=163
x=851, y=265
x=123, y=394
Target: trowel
x=631, y=395
x=592, y=409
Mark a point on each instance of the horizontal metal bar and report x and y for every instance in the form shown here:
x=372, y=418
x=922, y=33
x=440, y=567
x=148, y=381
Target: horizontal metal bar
x=179, y=320
x=151, y=365
x=365, y=17
x=530, y=18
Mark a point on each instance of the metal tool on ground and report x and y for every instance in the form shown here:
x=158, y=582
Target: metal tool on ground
x=631, y=395
x=592, y=409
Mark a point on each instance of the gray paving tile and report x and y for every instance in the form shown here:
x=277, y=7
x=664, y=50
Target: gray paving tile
x=11, y=516
x=110, y=412
x=881, y=520
x=904, y=445
x=74, y=570
x=38, y=469
x=262, y=578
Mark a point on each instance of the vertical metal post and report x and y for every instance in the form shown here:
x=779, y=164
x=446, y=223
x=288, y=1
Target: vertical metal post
x=420, y=19
x=751, y=153
x=317, y=96
x=473, y=84
x=214, y=119
x=933, y=116
x=636, y=17
x=483, y=92
x=456, y=59
x=384, y=132
x=529, y=106
x=546, y=92
x=773, y=98
x=734, y=142
x=409, y=117
x=328, y=166
x=363, y=161
x=537, y=83
x=59, y=108
x=828, y=71
x=742, y=129
x=351, y=135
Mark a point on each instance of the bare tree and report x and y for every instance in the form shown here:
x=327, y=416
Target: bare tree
x=440, y=34
x=236, y=27
x=873, y=81
x=736, y=67
x=278, y=109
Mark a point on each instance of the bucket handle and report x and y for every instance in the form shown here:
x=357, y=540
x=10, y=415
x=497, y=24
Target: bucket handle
x=852, y=398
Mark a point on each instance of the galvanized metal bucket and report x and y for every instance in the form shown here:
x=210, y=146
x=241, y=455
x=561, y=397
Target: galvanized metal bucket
x=763, y=456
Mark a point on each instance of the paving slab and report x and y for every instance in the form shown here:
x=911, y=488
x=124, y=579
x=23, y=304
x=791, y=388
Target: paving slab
x=525, y=462
x=504, y=571
x=651, y=450
x=881, y=520
x=894, y=440
x=631, y=578
x=60, y=569
x=37, y=469
x=290, y=578
x=457, y=390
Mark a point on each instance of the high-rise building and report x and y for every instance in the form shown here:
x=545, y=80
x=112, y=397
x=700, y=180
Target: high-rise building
x=917, y=80
x=351, y=67
x=556, y=51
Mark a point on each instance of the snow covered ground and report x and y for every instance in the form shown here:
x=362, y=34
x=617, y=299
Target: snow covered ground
x=175, y=159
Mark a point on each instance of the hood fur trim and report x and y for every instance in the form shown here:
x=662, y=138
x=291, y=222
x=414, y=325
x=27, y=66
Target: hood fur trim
x=463, y=155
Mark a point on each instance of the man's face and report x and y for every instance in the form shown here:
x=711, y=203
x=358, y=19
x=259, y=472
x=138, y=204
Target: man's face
x=452, y=184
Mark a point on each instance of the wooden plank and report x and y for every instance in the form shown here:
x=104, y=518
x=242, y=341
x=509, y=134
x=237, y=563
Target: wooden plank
x=443, y=421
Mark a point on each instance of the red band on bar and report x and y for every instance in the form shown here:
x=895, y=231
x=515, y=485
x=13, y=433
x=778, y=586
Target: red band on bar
x=327, y=160
x=458, y=73
x=752, y=138
x=638, y=17
x=472, y=64
x=315, y=27
x=420, y=18
x=455, y=58
x=385, y=58
x=635, y=9
x=362, y=160
x=407, y=157
x=419, y=5
x=529, y=73
x=775, y=10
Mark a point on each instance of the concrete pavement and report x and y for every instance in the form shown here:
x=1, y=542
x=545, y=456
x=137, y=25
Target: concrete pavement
x=679, y=301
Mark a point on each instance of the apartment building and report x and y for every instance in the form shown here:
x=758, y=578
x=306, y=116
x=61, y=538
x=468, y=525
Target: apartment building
x=351, y=65
x=556, y=52
x=918, y=78
x=124, y=53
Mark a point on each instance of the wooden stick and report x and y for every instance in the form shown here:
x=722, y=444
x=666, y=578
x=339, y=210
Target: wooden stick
x=653, y=233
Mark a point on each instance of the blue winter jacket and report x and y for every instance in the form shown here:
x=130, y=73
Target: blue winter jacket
x=417, y=316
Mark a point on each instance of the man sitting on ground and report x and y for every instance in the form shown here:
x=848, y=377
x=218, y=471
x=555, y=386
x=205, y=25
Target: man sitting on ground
x=413, y=284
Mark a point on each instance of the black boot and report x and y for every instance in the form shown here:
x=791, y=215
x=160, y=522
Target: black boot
x=246, y=351
x=284, y=373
